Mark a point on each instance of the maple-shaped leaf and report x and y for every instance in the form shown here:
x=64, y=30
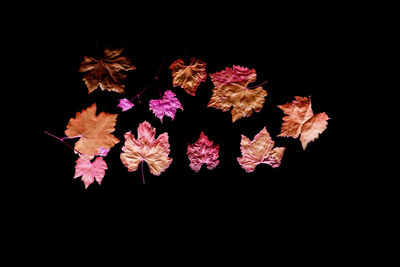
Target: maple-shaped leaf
x=146, y=148
x=90, y=170
x=300, y=119
x=189, y=76
x=106, y=72
x=125, y=104
x=231, y=91
x=259, y=151
x=165, y=106
x=94, y=131
x=203, y=152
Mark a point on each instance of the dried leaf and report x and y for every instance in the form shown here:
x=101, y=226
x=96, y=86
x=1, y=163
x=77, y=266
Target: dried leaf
x=90, y=170
x=188, y=77
x=203, y=152
x=231, y=90
x=165, y=106
x=146, y=148
x=125, y=104
x=259, y=151
x=300, y=119
x=94, y=131
x=106, y=71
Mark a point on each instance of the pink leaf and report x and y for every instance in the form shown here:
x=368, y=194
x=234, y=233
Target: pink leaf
x=90, y=170
x=165, y=106
x=103, y=152
x=203, y=152
x=125, y=104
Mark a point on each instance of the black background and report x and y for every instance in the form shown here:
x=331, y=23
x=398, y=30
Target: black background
x=298, y=53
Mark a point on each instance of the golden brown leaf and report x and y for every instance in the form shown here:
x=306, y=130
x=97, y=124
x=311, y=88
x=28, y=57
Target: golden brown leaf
x=189, y=76
x=300, y=119
x=94, y=131
x=259, y=151
x=231, y=90
x=106, y=72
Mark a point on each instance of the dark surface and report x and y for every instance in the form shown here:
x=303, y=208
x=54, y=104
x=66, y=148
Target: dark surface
x=297, y=58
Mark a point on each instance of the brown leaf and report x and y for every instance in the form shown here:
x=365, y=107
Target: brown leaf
x=300, y=119
x=94, y=131
x=231, y=90
x=188, y=77
x=106, y=72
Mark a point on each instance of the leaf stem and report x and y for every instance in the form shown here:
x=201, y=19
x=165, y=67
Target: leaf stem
x=142, y=172
x=62, y=140
x=154, y=78
x=252, y=87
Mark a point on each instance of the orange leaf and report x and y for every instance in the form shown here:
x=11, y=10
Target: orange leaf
x=231, y=90
x=94, y=131
x=146, y=148
x=259, y=151
x=106, y=71
x=300, y=119
x=188, y=77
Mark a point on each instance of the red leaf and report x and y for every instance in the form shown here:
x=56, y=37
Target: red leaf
x=203, y=152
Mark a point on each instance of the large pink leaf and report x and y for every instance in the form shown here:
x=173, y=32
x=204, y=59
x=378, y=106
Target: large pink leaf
x=259, y=151
x=203, y=152
x=90, y=170
x=146, y=148
x=165, y=106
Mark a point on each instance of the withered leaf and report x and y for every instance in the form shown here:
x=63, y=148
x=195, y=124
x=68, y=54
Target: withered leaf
x=106, y=72
x=203, y=152
x=300, y=119
x=189, y=76
x=94, y=131
x=146, y=148
x=259, y=151
x=231, y=91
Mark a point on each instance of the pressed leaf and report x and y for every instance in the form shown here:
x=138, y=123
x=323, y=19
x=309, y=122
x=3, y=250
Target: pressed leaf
x=165, y=106
x=94, y=131
x=189, y=76
x=259, y=151
x=146, y=148
x=125, y=104
x=106, y=72
x=203, y=152
x=231, y=91
x=90, y=170
x=300, y=120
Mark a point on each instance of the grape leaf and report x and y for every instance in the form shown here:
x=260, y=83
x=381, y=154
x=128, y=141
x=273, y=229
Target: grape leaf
x=125, y=104
x=203, y=152
x=94, y=131
x=90, y=170
x=106, y=71
x=259, y=151
x=146, y=148
x=231, y=90
x=300, y=120
x=165, y=106
x=189, y=76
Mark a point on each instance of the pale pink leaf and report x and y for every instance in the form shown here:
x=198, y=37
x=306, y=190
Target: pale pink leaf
x=259, y=151
x=203, y=152
x=165, y=106
x=90, y=171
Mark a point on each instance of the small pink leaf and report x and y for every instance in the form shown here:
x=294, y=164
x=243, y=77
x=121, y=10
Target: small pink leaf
x=203, y=152
x=165, y=106
x=125, y=104
x=103, y=152
x=90, y=170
